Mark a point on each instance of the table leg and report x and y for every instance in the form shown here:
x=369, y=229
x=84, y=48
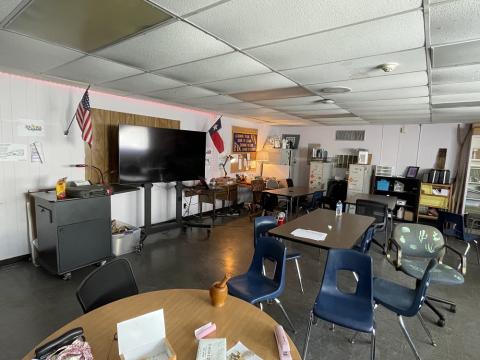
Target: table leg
x=291, y=206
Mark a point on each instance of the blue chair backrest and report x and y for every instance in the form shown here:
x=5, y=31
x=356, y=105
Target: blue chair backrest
x=367, y=239
x=261, y=226
x=421, y=289
x=453, y=221
x=272, y=249
x=419, y=240
x=350, y=260
x=316, y=199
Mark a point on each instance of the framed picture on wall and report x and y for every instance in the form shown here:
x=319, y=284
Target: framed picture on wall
x=412, y=172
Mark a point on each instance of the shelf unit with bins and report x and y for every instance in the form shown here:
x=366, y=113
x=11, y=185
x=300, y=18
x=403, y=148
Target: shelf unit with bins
x=410, y=193
x=436, y=201
x=471, y=203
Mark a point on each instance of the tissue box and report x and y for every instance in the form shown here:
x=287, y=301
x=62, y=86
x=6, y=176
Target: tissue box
x=144, y=337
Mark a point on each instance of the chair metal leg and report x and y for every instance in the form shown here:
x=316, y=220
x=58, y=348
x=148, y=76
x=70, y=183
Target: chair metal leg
x=260, y=305
x=420, y=317
x=286, y=315
x=355, y=275
x=332, y=328
x=453, y=306
x=307, y=338
x=372, y=345
x=409, y=339
x=465, y=255
x=264, y=272
x=478, y=253
x=353, y=338
x=299, y=274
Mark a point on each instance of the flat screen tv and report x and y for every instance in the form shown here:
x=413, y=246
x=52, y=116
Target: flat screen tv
x=148, y=155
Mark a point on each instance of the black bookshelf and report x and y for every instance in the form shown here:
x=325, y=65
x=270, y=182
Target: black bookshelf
x=410, y=193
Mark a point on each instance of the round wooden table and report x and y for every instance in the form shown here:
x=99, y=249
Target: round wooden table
x=185, y=310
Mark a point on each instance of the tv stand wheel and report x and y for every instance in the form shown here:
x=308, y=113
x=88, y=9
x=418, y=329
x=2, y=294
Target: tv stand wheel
x=67, y=276
x=441, y=322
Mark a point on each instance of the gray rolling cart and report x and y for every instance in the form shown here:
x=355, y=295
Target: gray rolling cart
x=71, y=233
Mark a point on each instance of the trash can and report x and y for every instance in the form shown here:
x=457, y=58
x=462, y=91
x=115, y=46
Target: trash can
x=125, y=238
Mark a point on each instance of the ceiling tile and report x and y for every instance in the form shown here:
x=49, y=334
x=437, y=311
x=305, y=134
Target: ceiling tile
x=7, y=6
x=455, y=98
x=23, y=53
x=185, y=92
x=185, y=6
x=409, y=61
x=236, y=106
x=397, y=33
x=282, y=93
x=143, y=83
x=318, y=111
x=402, y=93
x=165, y=46
x=378, y=83
x=222, y=67
x=390, y=109
x=247, y=23
x=93, y=70
x=305, y=100
x=313, y=107
x=250, y=83
x=211, y=100
x=456, y=74
x=386, y=102
x=454, y=21
x=456, y=88
x=456, y=54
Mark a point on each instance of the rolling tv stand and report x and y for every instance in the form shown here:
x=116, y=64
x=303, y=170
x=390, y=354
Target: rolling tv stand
x=150, y=228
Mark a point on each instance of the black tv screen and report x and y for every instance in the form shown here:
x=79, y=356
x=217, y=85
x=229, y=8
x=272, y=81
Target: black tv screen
x=148, y=155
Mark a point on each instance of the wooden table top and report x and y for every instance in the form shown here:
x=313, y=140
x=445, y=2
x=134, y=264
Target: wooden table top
x=390, y=201
x=185, y=310
x=342, y=231
x=294, y=191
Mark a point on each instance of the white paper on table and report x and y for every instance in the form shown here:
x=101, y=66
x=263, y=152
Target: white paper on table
x=309, y=234
x=212, y=349
x=245, y=352
x=142, y=336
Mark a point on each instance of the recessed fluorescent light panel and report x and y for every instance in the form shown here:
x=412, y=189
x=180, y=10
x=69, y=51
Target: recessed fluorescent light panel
x=86, y=25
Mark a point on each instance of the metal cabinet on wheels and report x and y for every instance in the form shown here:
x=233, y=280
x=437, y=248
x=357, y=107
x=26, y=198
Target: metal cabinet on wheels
x=71, y=233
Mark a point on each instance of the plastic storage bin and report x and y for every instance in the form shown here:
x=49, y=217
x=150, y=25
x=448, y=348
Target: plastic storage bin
x=383, y=185
x=127, y=241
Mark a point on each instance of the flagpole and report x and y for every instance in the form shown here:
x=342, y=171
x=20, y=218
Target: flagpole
x=73, y=117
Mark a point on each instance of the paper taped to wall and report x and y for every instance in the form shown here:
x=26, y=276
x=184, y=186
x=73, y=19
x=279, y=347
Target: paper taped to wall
x=13, y=152
x=26, y=127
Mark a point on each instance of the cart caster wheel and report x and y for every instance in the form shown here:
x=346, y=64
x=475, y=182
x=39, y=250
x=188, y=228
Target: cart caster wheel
x=139, y=248
x=67, y=276
x=441, y=322
x=101, y=263
x=453, y=308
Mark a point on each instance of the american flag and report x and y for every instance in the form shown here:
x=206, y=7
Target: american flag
x=83, y=119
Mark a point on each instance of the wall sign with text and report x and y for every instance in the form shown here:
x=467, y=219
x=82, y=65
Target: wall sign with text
x=244, y=140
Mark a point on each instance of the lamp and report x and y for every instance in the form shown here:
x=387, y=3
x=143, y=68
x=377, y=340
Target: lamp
x=262, y=156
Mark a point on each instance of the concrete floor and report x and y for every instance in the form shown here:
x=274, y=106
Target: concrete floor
x=33, y=304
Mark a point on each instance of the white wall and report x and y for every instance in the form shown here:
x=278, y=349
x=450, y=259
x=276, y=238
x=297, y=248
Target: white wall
x=416, y=146
x=25, y=98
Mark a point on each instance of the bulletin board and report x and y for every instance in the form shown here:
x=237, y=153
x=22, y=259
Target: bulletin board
x=244, y=140
x=244, y=149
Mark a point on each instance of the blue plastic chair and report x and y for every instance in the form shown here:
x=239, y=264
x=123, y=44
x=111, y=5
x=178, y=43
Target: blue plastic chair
x=353, y=311
x=453, y=225
x=404, y=301
x=253, y=286
x=367, y=239
x=314, y=203
x=261, y=227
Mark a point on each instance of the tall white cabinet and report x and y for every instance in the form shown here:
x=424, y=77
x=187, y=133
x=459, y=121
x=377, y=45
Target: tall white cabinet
x=359, y=179
x=320, y=173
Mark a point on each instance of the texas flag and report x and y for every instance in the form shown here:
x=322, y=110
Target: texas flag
x=215, y=135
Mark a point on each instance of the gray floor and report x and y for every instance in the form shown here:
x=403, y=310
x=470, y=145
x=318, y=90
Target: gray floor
x=33, y=304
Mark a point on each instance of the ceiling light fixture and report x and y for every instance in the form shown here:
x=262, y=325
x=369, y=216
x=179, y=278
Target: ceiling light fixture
x=335, y=90
x=388, y=67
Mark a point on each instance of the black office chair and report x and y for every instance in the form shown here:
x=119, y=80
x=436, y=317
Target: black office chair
x=379, y=211
x=110, y=282
x=289, y=183
x=336, y=190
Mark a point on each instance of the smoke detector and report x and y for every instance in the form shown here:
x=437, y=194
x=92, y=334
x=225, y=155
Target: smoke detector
x=335, y=90
x=388, y=67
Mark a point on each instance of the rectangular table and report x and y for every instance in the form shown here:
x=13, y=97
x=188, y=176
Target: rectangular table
x=342, y=231
x=293, y=192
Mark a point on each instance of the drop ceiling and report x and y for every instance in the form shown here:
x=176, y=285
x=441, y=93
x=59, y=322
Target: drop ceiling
x=264, y=61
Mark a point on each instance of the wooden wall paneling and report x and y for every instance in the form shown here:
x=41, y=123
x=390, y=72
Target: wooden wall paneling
x=104, y=151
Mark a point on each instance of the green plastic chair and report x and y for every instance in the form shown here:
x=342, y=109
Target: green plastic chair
x=411, y=248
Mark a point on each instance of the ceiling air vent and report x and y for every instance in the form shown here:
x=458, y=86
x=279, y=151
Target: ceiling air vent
x=350, y=135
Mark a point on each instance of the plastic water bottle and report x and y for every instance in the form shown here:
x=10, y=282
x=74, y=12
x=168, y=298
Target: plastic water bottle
x=338, y=209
